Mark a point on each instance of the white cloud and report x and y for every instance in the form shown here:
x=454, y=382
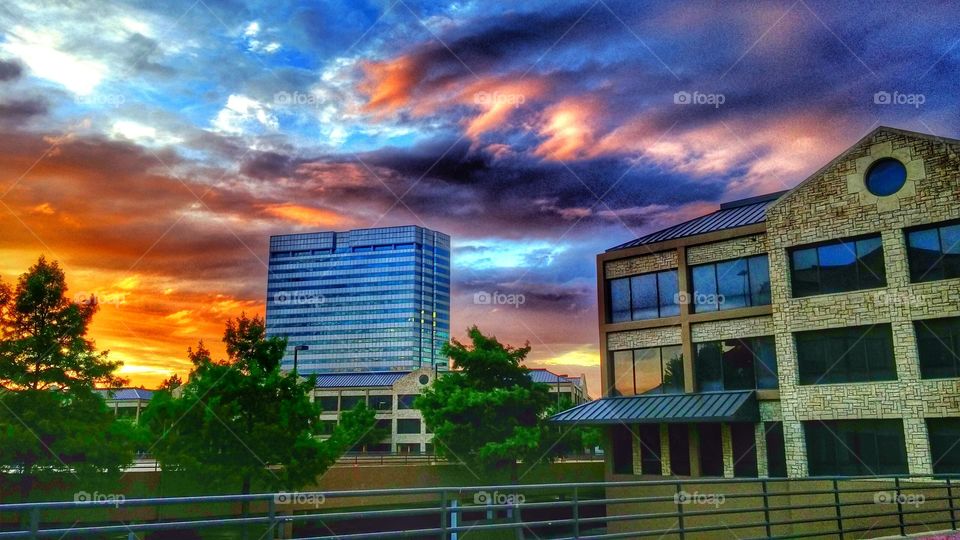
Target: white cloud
x=241, y=113
x=141, y=133
x=40, y=52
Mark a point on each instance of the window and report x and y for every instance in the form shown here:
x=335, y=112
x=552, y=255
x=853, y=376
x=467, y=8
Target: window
x=885, y=177
x=408, y=426
x=855, y=447
x=742, y=438
x=731, y=284
x=934, y=252
x=381, y=403
x=648, y=437
x=405, y=401
x=348, y=403
x=711, y=449
x=326, y=427
x=328, y=403
x=944, y=450
x=844, y=355
x=938, y=345
x=647, y=296
x=656, y=370
x=679, y=439
x=736, y=364
x=776, y=450
x=622, y=442
x=838, y=266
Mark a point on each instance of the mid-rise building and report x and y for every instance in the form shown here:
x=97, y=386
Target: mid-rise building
x=366, y=299
x=808, y=332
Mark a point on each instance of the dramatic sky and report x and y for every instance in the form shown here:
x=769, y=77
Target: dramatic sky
x=152, y=147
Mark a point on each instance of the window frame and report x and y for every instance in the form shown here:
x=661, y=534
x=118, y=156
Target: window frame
x=941, y=274
x=825, y=341
x=633, y=371
x=857, y=265
x=748, y=277
x=751, y=343
x=844, y=437
x=407, y=421
x=629, y=295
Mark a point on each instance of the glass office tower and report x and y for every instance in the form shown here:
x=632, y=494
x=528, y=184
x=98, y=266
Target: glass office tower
x=361, y=300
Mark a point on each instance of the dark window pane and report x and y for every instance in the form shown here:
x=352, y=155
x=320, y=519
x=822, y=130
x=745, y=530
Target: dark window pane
x=623, y=373
x=776, y=450
x=838, y=271
x=328, y=403
x=855, y=447
x=937, y=342
x=347, y=403
x=622, y=442
x=381, y=403
x=668, y=288
x=738, y=371
x=620, y=300
x=759, y=280
x=643, y=292
x=648, y=437
x=852, y=354
x=408, y=425
x=707, y=367
x=811, y=362
x=765, y=353
x=944, y=434
x=711, y=450
x=646, y=363
x=704, y=288
x=744, y=450
x=870, y=263
x=805, y=276
x=405, y=401
x=923, y=250
x=672, y=358
x=950, y=247
x=679, y=438
x=733, y=284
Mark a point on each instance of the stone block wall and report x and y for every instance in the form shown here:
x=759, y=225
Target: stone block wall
x=743, y=246
x=642, y=264
x=638, y=339
x=732, y=329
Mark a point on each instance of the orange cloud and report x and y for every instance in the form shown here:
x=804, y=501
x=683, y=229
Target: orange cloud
x=306, y=215
x=498, y=99
x=569, y=129
x=389, y=84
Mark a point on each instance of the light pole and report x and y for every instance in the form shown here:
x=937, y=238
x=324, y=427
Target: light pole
x=296, y=349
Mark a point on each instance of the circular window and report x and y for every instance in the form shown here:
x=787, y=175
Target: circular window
x=424, y=379
x=885, y=177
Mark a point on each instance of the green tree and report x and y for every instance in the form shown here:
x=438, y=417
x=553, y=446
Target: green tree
x=243, y=422
x=489, y=414
x=52, y=421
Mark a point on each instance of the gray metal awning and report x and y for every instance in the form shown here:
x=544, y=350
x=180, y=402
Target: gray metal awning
x=738, y=406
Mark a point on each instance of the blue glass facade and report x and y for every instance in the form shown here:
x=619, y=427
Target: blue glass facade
x=367, y=299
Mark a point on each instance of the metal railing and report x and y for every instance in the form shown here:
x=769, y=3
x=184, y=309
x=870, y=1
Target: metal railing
x=829, y=507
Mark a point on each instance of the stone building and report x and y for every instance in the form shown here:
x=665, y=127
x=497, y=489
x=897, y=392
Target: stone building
x=809, y=332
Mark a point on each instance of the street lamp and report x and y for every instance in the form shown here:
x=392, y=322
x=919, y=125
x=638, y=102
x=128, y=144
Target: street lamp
x=296, y=349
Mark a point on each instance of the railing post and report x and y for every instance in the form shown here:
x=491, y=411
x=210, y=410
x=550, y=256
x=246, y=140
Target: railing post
x=443, y=514
x=953, y=514
x=766, y=508
x=836, y=504
x=272, y=514
x=576, y=514
x=896, y=484
x=34, y=522
x=679, y=504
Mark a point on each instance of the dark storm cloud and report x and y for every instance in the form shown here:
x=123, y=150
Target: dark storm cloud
x=10, y=70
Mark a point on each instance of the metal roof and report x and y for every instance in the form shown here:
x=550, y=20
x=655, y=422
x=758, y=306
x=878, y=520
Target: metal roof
x=729, y=216
x=369, y=378
x=739, y=406
x=126, y=394
x=541, y=375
